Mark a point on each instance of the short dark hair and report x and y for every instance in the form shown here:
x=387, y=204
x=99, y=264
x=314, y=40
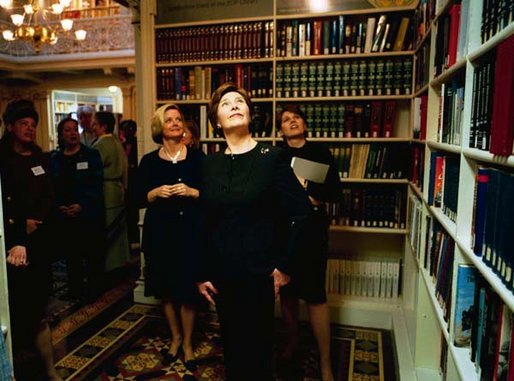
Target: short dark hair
x=227, y=87
x=106, y=118
x=19, y=109
x=60, y=128
x=128, y=124
x=293, y=108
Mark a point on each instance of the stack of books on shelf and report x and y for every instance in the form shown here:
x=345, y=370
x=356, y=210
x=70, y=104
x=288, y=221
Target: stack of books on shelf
x=214, y=42
x=451, y=107
x=344, y=35
x=483, y=323
x=415, y=219
x=370, y=206
x=349, y=77
x=370, y=277
x=370, y=161
x=438, y=262
x=417, y=173
x=493, y=101
x=447, y=39
x=419, y=128
x=493, y=224
x=197, y=83
x=496, y=15
x=444, y=183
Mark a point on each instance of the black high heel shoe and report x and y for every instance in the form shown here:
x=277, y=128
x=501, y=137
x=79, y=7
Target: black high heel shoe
x=190, y=365
x=168, y=358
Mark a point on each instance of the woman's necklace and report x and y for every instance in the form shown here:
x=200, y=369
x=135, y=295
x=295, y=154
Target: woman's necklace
x=173, y=158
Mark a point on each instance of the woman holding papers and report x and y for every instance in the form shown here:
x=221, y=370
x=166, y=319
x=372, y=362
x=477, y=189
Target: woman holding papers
x=255, y=211
x=310, y=163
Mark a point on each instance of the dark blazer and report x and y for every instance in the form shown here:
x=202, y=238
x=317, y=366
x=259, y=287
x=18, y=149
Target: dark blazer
x=85, y=187
x=255, y=210
x=27, y=191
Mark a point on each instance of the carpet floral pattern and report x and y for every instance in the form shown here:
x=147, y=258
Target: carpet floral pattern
x=129, y=348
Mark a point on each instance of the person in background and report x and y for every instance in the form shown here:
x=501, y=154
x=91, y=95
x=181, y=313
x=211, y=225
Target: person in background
x=255, y=208
x=114, y=187
x=27, y=199
x=128, y=138
x=77, y=173
x=168, y=186
x=308, y=279
x=85, y=115
x=191, y=135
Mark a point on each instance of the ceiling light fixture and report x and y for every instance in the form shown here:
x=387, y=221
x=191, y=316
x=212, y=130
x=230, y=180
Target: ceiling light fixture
x=37, y=24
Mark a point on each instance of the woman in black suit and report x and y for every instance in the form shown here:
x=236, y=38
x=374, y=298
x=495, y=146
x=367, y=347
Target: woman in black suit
x=254, y=208
x=27, y=199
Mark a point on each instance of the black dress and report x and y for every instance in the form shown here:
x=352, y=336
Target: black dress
x=309, y=274
x=171, y=227
x=255, y=209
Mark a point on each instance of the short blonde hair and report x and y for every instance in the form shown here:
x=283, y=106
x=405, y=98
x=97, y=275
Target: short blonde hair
x=158, y=120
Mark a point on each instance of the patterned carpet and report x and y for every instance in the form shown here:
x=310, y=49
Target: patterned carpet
x=128, y=348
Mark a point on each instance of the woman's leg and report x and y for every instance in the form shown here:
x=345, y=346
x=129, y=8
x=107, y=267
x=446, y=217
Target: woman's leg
x=289, y=306
x=174, y=324
x=43, y=344
x=320, y=322
x=187, y=317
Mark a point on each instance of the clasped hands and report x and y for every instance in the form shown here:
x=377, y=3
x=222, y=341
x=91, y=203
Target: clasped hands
x=70, y=210
x=179, y=189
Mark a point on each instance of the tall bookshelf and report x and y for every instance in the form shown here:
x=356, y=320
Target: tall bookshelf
x=447, y=88
x=187, y=54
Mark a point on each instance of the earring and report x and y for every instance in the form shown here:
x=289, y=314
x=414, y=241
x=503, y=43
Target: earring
x=183, y=134
x=218, y=125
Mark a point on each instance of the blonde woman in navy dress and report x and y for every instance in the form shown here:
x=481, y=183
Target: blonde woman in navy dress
x=168, y=184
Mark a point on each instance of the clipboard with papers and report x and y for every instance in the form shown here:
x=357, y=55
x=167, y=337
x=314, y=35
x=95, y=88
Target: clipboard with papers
x=309, y=170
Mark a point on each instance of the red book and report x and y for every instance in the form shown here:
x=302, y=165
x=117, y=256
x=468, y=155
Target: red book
x=376, y=119
x=423, y=124
x=438, y=181
x=317, y=37
x=454, y=33
x=389, y=116
x=502, y=121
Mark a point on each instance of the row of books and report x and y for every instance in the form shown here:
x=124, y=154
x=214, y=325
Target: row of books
x=493, y=222
x=493, y=101
x=451, y=107
x=198, y=82
x=349, y=77
x=422, y=66
x=371, y=277
x=214, y=42
x=350, y=120
x=443, y=189
x=425, y=13
x=496, y=15
x=370, y=206
x=447, y=38
x=343, y=35
x=370, y=161
x=438, y=262
x=483, y=323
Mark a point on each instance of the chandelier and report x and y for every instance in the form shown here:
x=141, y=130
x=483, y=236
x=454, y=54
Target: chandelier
x=37, y=24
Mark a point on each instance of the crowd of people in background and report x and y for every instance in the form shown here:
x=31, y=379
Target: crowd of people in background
x=66, y=204
x=237, y=228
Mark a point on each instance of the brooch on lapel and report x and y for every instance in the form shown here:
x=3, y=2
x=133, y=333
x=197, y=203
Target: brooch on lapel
x=264, y=151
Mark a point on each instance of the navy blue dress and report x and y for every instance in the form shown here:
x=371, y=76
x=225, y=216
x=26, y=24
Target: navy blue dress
x=171, y=227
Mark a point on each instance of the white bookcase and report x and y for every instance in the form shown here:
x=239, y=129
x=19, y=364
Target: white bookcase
x=425, y=319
